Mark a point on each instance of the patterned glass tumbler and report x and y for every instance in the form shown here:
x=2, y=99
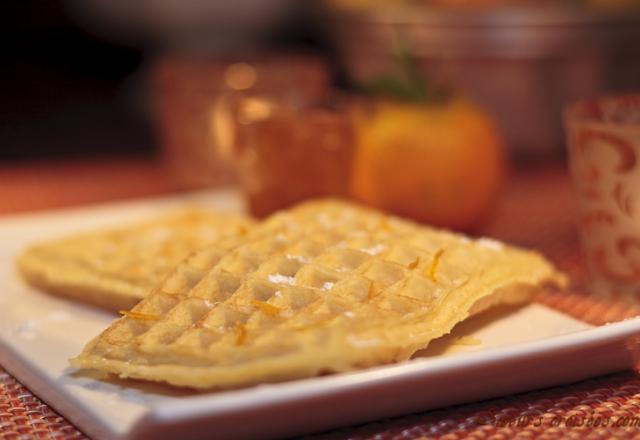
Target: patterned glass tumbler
x=604, y=160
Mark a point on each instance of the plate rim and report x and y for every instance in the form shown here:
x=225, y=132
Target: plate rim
x=417, y=367
x=200, y=406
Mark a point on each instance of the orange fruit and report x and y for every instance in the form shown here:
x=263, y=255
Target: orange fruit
x=439, y=163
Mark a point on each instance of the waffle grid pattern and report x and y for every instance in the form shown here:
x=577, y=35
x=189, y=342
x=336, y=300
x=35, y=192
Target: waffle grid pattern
x=116, y=268
x=536, y=211
x=326, y=287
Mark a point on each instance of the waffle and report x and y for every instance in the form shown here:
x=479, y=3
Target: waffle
x=114, y=269
x=325, y=287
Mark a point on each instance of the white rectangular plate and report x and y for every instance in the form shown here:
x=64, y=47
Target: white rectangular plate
x=501, y=352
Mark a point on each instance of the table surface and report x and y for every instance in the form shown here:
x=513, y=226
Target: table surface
x=536, y=210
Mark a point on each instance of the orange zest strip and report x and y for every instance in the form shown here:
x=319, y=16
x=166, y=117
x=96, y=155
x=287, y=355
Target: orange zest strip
x=431, y=273
x=140, y=316
x=266, y=308
x=414, y=263
x=371, y=293
x=241, y=333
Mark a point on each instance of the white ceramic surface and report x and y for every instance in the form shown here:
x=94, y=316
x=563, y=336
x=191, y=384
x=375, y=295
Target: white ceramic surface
x=501, y=352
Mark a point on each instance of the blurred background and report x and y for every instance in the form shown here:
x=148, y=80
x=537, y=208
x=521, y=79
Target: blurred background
x=75, y=74
x=408, y=105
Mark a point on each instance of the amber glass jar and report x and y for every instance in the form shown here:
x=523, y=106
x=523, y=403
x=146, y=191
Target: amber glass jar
x=287, y=150
x=189, y=102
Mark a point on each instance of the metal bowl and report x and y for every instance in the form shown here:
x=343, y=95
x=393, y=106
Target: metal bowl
x=524, y=64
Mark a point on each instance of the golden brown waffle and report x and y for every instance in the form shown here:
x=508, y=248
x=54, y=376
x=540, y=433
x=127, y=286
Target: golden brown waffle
x=326, y=287
x=116, y=268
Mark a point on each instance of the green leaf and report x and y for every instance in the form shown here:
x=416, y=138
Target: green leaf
x=409, y=84
x=392, y=86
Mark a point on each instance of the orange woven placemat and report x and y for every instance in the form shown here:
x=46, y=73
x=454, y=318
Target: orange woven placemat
x=536, y=211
